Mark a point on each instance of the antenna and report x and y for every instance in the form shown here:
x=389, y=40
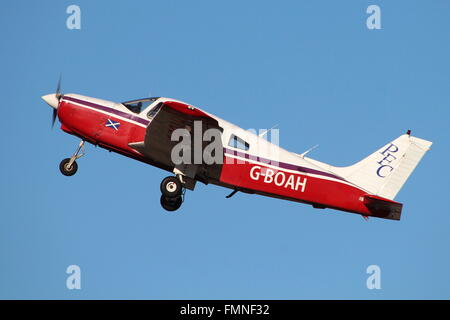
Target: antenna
x=307, y=151
x=262, y=134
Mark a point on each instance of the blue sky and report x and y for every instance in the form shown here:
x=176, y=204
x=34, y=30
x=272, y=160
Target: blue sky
x=312, y=67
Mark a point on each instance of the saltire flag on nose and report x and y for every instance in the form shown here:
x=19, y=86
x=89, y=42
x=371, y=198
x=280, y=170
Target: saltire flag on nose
x=113, y=124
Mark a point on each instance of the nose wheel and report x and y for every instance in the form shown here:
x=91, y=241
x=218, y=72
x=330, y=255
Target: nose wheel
x=69, y=166
x=172, y=193
x=68, y=169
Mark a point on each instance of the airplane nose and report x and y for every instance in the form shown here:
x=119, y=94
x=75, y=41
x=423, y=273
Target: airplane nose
x=51, y=100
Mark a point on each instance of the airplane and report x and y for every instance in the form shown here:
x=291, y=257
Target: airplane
x=143, y=129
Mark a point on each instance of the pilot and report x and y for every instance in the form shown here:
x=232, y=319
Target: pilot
x=137, y=107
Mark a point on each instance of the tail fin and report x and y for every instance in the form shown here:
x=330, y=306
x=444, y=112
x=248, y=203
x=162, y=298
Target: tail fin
x=384, y=172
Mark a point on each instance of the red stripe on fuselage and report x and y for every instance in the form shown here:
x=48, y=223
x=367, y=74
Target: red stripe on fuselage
x=302, y=187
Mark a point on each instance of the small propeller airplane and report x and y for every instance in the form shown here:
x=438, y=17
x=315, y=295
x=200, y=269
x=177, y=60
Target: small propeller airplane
x=143, y=130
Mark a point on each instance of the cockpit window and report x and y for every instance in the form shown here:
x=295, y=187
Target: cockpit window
x=137, y=106
x=238, y=143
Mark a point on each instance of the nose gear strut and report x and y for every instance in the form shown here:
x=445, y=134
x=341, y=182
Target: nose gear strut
x=69, y=166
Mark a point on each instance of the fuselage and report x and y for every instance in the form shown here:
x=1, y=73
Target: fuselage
x=258, y=166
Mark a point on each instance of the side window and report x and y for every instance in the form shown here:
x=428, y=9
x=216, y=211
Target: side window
x=237, y=142
x=153, y=111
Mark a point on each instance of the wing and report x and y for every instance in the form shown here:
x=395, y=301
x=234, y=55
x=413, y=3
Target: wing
x=157, y=145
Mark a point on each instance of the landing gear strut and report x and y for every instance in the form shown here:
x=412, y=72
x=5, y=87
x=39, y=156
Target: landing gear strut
x=69, y=166
x=172, y=193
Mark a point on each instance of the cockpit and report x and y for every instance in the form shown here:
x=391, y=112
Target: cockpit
x=137, y=106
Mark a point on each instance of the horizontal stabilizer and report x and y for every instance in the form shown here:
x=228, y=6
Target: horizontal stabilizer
x=383, y=208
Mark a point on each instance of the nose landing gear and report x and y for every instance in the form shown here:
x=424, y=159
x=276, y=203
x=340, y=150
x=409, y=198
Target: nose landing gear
x=69, y=166
x=172, y=193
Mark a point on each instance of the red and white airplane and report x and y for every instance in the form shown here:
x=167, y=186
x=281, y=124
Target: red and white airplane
x=142, y=130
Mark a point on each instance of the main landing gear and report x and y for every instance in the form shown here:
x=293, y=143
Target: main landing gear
x=69, y=166
x=172, y=193
x=172, y=187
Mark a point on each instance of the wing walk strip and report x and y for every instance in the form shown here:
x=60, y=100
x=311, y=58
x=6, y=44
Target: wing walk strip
x=120, y=114
x=286, y=167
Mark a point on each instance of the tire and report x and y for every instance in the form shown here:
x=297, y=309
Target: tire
x=171, y=187
x=68, y=171
x=171, y=204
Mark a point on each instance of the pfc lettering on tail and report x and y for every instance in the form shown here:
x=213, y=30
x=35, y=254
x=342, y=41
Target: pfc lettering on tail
x=385, y=167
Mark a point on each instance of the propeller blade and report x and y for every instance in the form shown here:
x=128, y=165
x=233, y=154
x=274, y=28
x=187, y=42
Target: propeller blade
x=55, y=113
x=58, y=89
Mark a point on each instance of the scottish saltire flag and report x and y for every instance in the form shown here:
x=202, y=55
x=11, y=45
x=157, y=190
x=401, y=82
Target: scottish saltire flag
x=113, y=124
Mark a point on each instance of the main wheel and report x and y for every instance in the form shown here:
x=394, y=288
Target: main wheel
x=171, y=204
x=171, y=187
x=66, y=170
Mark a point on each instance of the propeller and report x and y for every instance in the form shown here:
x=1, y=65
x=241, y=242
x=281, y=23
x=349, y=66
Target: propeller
x=58, y=96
